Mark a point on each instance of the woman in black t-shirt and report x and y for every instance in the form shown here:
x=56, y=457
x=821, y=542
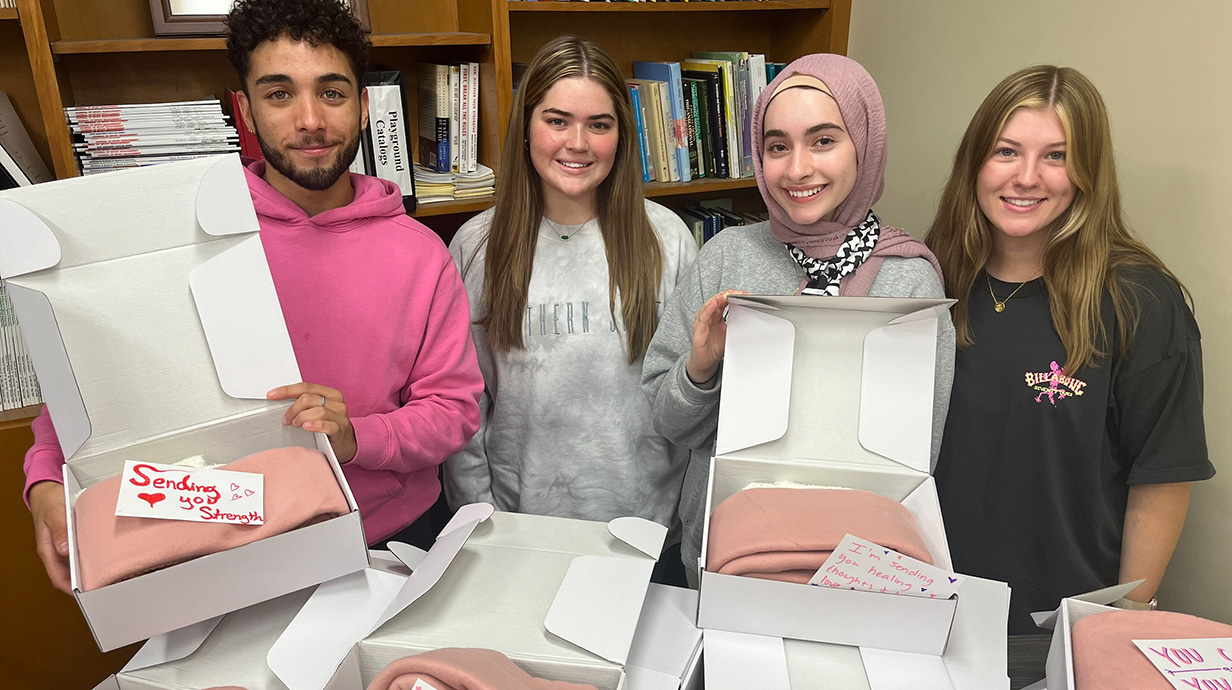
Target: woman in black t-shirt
x=1075, y=421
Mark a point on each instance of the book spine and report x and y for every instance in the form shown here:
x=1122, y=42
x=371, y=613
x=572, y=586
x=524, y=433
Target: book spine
x=473, y=149
x=683, y=140
x=464, y=116
x=743, y=89
x=9, y=388
x=641, y=131
x=654, y=122
x=434, y=98
x=669, y=131
x=388, y=122
x=454, y=110
x=691, y=132
x=718, y=136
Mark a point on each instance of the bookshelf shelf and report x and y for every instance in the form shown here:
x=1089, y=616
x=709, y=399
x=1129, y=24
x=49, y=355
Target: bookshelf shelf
x=8, y=13
x=155, y=45
x=19, y=416
x=445, y=208
x=725, y=6
x=660, y=189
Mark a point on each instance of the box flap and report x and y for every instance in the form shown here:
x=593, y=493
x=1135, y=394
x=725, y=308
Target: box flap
x=171, y=646
x=111, y=683
x=1105, y=596
x=889, y=670
x=26, y=243
x=598, y=603
x=735, y=661
x=243, y=322
x=667, y=634
x=777, y=403
x=309, y=654
x=115, y=320
x=225, y=179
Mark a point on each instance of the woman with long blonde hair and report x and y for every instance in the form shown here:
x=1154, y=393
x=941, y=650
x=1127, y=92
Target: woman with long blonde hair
x=1075, y=422
x=565, y=276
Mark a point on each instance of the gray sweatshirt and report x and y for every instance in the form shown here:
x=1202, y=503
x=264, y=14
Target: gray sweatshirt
x=565, y=428
x=751, y=259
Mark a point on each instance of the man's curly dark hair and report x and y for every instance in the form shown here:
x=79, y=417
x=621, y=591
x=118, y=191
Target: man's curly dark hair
x=319, y=22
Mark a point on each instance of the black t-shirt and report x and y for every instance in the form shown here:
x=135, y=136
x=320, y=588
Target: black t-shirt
x=1036, y=464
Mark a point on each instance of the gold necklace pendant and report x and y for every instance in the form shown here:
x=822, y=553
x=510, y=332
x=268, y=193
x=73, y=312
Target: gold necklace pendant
x=999, y=305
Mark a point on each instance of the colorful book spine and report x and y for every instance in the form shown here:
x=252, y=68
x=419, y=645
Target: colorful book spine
x=641, y=131
x=434, y=107
x=669, y=73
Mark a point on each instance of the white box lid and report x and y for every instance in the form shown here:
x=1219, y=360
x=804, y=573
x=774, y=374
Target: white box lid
x=777, y=404
x=147, y=303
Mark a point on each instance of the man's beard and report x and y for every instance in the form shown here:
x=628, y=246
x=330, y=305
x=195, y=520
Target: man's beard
x=317, y=179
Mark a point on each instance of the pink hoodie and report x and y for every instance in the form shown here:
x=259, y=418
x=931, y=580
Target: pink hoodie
x=376, y=309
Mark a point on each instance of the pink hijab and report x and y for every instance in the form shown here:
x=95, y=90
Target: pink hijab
x=859, y=101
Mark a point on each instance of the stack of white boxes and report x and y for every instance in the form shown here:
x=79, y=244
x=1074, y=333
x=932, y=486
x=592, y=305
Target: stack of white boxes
x=839, y=392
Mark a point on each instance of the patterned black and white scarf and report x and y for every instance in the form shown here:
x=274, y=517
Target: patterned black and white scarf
x=825, y=274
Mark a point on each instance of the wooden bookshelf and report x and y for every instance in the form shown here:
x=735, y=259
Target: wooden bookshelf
x=91, y=52
x=444, y=208
x=702, y=186
x=722, y=6
x=8, y=13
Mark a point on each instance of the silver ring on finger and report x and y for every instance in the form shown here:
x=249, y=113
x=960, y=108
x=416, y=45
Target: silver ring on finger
x=323, y=400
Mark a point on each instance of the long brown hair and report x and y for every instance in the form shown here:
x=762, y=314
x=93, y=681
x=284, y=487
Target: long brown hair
x=634, y=257
x=1088, y=244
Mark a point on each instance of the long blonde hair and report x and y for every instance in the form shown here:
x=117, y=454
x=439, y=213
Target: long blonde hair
x=634, y=256
x=1088, y=243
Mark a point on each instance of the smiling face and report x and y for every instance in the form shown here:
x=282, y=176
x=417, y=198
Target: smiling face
x=572, y=139
x=1024, y=185
x=307, y=110
x=808, y=157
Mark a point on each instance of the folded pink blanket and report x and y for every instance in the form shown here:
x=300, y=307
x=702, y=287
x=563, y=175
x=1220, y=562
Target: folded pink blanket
x=1105, y=657
x=463, y=669
x=300, y=489
x=787, y=534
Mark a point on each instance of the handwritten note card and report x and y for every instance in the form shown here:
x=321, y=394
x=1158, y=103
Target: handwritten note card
x=421, y=684
x=172, y=492
x=860, y=564
x=1201, y=664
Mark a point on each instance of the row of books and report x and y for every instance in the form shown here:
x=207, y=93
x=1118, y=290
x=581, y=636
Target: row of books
x=20, y=164
x=449, y=117
x=10, y=4
x=129, y=135
x=694, y=116
x=18, y=384
x=709, y=218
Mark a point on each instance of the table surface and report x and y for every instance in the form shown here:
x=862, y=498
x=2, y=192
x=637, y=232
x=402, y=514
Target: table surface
x=1027, y=655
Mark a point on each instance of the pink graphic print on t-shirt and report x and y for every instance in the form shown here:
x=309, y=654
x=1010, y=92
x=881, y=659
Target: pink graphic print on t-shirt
x=1054, y=384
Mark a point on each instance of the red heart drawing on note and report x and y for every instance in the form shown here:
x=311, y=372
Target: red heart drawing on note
x=151, y=498
x=235, y=487
x=249, y=492
x=235, y=497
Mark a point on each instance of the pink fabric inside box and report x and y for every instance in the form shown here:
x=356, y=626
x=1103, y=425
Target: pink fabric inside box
x=787, y=534
x=300, y=489
x=1105, y=657
x=463, y=669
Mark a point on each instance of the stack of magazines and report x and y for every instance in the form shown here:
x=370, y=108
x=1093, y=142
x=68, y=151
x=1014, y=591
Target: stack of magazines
x=433, y=187
x=112, y=137
x=18, y=385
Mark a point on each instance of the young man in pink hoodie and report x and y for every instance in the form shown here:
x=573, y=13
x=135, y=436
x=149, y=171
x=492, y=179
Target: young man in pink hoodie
x=376, y=311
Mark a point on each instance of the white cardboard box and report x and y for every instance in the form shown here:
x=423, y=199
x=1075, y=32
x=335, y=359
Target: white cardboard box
x=1060, y=664
x=155, y=330
x=561, y=598
x=974, y=660
x=836, y=392
x=240, y=650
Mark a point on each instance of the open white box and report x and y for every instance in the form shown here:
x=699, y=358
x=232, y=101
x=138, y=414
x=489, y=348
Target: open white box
x=285, y=643
x=974, y=660
x=834, y=392
x=1060, y=664
x=154, y=328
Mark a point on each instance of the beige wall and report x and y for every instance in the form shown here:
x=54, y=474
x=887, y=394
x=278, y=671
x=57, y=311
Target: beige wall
x=1165, y=71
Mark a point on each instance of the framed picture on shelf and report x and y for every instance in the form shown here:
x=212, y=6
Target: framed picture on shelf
x=205, y=17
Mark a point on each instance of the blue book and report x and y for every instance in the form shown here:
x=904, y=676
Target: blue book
x=641, y=130
x=670, y=72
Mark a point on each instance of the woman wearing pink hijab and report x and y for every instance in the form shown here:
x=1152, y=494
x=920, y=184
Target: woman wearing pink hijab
x=819, y=153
